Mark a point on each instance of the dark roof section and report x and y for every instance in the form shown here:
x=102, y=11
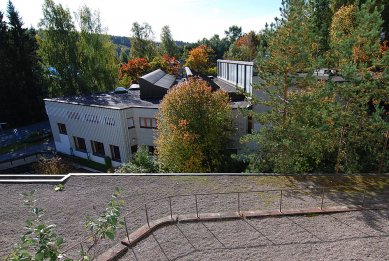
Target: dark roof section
x=155, y=85
x=109, y=100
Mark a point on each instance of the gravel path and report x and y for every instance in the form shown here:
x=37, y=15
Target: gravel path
x=362, y=235
x=88, y=196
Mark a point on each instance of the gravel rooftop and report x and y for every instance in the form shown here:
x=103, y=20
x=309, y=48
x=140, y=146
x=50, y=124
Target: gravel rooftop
x=88, y=196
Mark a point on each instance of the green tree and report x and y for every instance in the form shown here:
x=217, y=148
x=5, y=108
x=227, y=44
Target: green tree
x=142, y=43
x=168, y=45
x=288, y=141
x=21, y=89
x=321, y=17
x=96, y=53
x=58, y=50
x=360, y=139
x=233, y=33
x=193, y=128
x=75, y=62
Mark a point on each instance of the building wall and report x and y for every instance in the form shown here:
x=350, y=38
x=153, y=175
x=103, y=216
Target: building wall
x=90, y=123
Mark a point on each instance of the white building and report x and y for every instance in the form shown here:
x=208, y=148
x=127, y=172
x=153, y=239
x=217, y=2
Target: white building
x=114, y=124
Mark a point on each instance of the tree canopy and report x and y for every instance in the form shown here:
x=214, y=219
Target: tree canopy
x=193, y=128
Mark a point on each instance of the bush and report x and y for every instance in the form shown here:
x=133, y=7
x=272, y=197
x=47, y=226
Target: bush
x=143, y=162
x=55, y=165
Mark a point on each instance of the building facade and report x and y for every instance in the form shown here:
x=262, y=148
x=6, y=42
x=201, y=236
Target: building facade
x=115, y=124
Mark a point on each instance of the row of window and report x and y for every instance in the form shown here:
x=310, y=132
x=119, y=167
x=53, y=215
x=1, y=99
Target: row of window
x=92, y=118
x=97, y=148
x=148, y=123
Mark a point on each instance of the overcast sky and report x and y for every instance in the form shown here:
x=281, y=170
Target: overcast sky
x=189, y=20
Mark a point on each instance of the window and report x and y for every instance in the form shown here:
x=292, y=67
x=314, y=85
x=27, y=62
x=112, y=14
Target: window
x=97, y=148
x=130, y=123
x=115, y=152
x=62, y=129
x=134, y=149
x=250, y=125
x=109, y=121
x=80, y=144
x=150, y=123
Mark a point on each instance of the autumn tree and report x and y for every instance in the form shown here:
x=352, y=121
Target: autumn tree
x=361, y=140
x=199, y=59
x=142, y=42
x=166, y=63
x=245, y=48
x=193, y=128
x=131, y=71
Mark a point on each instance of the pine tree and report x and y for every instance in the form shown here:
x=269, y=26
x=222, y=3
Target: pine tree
x=168, y=46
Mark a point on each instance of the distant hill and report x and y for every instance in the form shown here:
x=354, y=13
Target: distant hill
x=124, y=41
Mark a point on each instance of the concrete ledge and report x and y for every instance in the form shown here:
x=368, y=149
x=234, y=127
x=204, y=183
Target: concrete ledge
x=116, y=252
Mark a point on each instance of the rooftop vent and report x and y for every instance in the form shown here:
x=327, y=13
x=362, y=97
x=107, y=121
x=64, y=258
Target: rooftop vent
x=120, y=90
x=134, y=87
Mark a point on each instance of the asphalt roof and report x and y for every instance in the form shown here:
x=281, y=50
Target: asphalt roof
x=109, y=100
x=160, y=78
x=121, y=101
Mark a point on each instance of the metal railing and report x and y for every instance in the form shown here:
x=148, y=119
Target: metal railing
x=240, y=201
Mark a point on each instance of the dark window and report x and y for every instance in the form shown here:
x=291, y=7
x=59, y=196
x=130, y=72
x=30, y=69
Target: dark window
x=149, y=123
x=151, y=149
x=62, y=129
x=130, y=123
x=98, y=148
x=134, y=149
x=115, y=152
x=250, y=125
x=80, y=144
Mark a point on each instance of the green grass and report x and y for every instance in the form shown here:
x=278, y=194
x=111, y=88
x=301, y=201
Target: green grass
x=89, y=163
x=20, y=145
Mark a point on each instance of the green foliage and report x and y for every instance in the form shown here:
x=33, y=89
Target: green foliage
x=142, y=42
x=168, y=46
x=108, y=222
x=193, y=128
x=322, y=126
x=39, y=242
x=21, y=90
x=143, y=162
x=108, y=162
x=75, y=62
x=59, y=187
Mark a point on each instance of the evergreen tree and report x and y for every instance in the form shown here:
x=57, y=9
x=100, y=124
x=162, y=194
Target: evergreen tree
x=21, y=87
x=288, y=141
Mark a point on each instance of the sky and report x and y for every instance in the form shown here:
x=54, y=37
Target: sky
x=189, y=20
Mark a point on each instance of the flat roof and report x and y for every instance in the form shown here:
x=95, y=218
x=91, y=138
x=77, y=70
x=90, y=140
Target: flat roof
x=112, y=100
x=109, y=100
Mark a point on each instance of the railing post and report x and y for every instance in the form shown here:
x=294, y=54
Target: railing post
x=322, y=199
x=363, y=198
x=125, y=225
x=197, y=209
x=170, y=205
x=147, y=216
x=281, y=201
x=239, y=204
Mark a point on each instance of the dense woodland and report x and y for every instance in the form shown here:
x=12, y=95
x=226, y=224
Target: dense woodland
x=312, y=126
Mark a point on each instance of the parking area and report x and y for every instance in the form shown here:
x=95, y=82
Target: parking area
x=359, y=235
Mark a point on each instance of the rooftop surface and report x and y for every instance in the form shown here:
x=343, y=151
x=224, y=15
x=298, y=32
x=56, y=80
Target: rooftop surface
x=160, y=79
x=121, y=101
x=94, y=192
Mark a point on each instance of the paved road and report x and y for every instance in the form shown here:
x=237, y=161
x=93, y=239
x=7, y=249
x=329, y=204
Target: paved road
x=44, y=146
x=13, y=135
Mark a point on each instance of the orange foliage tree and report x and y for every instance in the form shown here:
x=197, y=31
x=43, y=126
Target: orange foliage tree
x=193, y=128
x=245, y=48
x=130, y=72
x=199, y=59
x=166, y=63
